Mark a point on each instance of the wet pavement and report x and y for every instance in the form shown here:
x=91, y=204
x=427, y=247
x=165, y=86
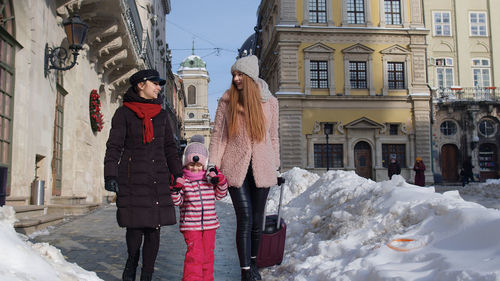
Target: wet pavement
x=96, y=243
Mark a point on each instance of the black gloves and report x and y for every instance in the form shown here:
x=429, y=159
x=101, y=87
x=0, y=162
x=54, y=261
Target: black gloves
x=176, y=184
x=111, y=184
x=281, y=180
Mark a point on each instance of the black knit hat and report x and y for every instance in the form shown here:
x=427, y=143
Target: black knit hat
x=146, y=74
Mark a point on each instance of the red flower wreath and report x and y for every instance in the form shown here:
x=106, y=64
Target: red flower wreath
x=96, y=117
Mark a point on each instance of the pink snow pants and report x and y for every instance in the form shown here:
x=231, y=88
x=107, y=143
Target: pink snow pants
x=199, y=260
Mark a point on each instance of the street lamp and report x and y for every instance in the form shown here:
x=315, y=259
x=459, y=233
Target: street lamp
x=76, y=31
x=327, y=129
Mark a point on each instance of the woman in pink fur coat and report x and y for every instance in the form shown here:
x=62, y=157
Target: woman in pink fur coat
x=245, y=145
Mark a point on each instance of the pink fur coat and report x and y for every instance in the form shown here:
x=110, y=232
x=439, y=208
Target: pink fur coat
x=233, y=156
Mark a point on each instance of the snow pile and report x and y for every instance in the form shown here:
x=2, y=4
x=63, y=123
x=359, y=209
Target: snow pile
x=340, y=226
x=487, y=193
x=28, y=261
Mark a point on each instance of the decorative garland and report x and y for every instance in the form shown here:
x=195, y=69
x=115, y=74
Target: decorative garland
x=96, y=117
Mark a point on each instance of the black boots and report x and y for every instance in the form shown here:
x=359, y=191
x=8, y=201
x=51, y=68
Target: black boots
x=246, y=275
x=254, y=270
x=146, y=276
x=130, y=268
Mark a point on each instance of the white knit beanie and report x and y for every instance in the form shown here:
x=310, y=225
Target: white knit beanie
x=248, y=65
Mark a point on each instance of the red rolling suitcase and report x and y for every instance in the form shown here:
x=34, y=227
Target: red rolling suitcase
x=272, y=241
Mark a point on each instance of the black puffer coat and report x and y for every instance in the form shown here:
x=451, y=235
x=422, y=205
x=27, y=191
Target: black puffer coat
x=142, y=170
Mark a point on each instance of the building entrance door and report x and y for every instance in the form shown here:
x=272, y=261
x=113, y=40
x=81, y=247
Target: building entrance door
x=363, y=159
x=449, y=163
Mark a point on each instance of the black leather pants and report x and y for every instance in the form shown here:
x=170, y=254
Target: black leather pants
x=249, y=203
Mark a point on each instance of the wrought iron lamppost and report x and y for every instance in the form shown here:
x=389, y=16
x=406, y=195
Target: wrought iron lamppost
x=327, y=129
x=76, y=31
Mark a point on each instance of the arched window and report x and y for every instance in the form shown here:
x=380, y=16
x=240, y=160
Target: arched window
x=191, y=94
x=487, y=128
x=448, y=128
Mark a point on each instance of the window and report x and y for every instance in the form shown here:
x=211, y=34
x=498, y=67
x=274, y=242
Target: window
x=444, y=72
x=393, y=129
x=317, y=11
x=399, y=150
x=478, y=24
x=57, y=156
x=319, y=74
x=392, y=9
x=448, y=128
x=7, y=70
x=481, y=72
x=487, y=128
x=335, y=156
x=357, y=73
x=355, y=11
x=191, y=115
x=191, y=94
x=442, y=23
x=396, y=75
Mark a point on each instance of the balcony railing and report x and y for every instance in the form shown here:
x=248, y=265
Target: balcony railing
x=147, y=50
x=467, y=94
x=134, y=24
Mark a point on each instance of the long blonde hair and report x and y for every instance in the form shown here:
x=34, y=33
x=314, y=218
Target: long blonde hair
x=248, y=102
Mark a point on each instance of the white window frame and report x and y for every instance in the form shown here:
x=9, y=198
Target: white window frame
x=446, y=66
x=441, y=24
x=305, y=14
x=367, y=12
x=478, y=25
x=482, y=69
x=405, y=22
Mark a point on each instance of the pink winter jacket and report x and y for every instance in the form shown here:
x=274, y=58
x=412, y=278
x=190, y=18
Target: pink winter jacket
x=233, y=156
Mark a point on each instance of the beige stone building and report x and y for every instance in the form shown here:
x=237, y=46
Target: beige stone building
x=463, y=69
x=350, y=77
x=46, y=128
x=194, y=74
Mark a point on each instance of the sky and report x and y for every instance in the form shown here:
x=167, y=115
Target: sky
x=340, y=227
x=218, y=29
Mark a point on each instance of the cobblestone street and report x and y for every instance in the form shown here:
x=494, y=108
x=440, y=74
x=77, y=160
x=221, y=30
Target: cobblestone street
x=96, y=243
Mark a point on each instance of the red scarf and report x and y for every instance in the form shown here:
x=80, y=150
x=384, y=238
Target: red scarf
x=145, y=111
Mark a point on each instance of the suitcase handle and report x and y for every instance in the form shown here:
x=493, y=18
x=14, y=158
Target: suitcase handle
x=278, y=222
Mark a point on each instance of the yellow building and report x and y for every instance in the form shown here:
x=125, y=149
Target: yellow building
x=462, y=56
x=351, y=83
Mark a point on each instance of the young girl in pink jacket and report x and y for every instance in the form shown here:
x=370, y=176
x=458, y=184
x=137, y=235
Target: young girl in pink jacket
x=198, y=219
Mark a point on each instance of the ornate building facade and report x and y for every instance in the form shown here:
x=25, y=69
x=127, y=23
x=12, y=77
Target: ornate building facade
x=462, y=59
x=49, y=129
x=194, y=74
x=351, y=83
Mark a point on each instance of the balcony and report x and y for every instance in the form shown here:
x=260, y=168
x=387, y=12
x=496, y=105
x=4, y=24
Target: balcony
x=466, y=94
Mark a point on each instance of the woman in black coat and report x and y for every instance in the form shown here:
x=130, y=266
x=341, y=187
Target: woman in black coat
x=140, y=158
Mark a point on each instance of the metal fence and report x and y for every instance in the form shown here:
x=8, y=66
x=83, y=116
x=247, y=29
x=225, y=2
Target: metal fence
x=467, y=94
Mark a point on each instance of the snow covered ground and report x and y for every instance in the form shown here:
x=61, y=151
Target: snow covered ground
x=23, y=260
x=340, y=227
x=344, y=227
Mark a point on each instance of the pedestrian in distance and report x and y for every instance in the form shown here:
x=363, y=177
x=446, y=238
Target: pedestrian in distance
x=140, y=162
x=394, y=168
x=419, y=169
x=245, y=145
x=466, y=172
x=198, y=218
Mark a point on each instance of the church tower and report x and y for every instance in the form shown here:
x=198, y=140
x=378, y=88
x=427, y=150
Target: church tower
x=193, y=72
